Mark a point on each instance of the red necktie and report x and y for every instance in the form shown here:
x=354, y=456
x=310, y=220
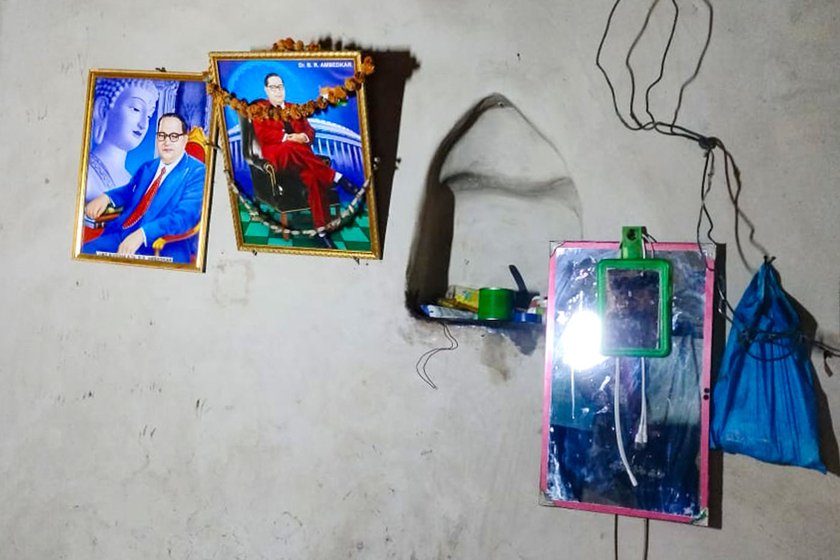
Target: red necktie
x=145, y=201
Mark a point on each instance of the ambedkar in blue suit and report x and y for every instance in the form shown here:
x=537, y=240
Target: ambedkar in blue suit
x=164, y=197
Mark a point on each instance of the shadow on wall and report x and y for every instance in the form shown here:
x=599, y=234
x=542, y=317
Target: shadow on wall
x=829, y=450
x=384, y=90
x=497, y=192
x=716, y=456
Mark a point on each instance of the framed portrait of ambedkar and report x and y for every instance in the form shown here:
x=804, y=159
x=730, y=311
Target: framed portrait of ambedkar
x=146, y=169
x=295, y=137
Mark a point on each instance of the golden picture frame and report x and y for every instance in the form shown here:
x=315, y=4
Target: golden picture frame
x=146, y=169
x=299, y=167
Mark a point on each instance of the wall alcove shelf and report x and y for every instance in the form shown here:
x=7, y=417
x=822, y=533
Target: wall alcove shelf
x=497, y=192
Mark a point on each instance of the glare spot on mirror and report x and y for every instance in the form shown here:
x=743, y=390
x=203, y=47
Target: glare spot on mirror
x=581, y=341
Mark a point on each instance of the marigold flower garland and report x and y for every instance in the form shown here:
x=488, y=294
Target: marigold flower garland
x=257, y=214
x=327, y=95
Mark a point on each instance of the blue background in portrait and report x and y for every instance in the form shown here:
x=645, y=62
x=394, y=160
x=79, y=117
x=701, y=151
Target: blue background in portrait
x=195, y=115
x=303, y=79
x=245, y=79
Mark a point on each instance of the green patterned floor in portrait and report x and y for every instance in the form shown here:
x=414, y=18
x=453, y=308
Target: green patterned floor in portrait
x=355, y=236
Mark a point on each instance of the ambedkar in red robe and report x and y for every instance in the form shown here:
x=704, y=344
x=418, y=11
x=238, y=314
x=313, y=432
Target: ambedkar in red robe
x=288, y=146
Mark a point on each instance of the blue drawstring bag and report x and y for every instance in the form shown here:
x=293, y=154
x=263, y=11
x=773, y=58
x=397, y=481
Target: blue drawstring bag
x=763, y=403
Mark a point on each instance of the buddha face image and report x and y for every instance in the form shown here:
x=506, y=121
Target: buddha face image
x=128, y=119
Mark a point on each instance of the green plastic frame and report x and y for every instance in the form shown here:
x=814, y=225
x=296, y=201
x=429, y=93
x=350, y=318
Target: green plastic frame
x=632, y=253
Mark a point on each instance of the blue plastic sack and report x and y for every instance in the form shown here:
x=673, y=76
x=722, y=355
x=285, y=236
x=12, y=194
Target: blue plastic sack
x=763, y=403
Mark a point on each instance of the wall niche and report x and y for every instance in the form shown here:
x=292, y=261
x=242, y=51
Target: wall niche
x=497, y=192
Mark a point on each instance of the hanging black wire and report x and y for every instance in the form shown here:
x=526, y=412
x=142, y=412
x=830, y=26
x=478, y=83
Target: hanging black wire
x=699, y=59
x=705, y=188
x=615, y=537
x=664, y=57
x=423, y=360
x=710, y=145
x=645, y=541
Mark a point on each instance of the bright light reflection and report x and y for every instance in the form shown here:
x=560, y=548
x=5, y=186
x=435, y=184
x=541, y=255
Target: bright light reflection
x=581, y=341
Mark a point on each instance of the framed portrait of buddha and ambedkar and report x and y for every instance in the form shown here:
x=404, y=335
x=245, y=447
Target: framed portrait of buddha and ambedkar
x=295, y=138
x=146, y=169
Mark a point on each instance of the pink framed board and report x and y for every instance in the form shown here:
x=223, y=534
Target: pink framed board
x=627, y=435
